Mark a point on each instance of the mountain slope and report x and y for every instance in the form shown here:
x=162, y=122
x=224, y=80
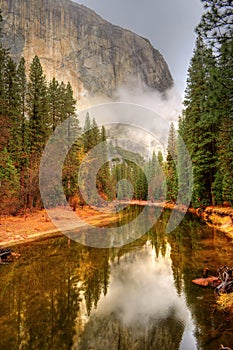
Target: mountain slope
x=75, y=44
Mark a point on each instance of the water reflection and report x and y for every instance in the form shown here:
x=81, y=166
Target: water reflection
x=142, y=309
x=62, y=295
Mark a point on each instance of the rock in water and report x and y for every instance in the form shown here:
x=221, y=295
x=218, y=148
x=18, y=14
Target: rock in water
x=75, y=44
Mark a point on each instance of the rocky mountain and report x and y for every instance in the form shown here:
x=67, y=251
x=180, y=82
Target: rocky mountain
x=75, y=44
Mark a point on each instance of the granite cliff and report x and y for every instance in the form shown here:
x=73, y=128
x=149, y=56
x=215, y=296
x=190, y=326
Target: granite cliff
x=75, y=44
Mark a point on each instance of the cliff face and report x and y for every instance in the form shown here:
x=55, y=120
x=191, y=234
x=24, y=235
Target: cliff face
x=75, y=44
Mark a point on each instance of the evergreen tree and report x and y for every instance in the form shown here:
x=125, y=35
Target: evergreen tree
x=94, y=134
x=11, y=92
x=9, y=184
x=37, y=107
x=184, y=167
x=171, y=173
x=55, y=103
x=104, y=182
x=216, y=29
x=216, y=23
x=140, y=183
x=223, y=83
x=91, y=134
x=71, y=165
x=4, y=120
x=201, y=123
x=70, y=101
x=160, y=158
x=87, y=133
x=156, y=184
x=22, y=115
x=19, y=131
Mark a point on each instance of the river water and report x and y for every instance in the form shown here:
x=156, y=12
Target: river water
x=63, y=295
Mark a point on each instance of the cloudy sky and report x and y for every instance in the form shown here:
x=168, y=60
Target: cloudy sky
x=168, y=24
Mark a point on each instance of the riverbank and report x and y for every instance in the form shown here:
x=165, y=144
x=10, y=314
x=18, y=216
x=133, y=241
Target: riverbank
x=33, y=225
x=220, y=218
x=30, y=226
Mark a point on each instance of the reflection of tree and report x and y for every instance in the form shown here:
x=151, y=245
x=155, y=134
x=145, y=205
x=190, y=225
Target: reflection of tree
x=39, y=294
x=195, y=246
x=157, y=236
x=96, y=279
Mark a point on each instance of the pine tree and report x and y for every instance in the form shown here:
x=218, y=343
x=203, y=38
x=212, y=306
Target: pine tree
x=215, y=26
x=70, y=108
x=160, y=158
x=171, y=172
x=4, y=120
x=9, y=176
x=184, y=166
x=70, y=168
x=22, y=95
x=87, y=133
x=94, y=134
x=104, y=182
x=223, y=80
x=155, y=176
x=9, y=184
x=216, y=29
x=201, y=123
x=54, y=103
x=140, y=183
x=37, y=107
x=22, y=131
x=70, y=101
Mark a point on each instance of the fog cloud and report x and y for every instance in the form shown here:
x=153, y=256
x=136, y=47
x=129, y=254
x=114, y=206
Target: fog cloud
x=139, y=106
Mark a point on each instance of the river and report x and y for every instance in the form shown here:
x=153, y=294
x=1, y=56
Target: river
x=63, y=295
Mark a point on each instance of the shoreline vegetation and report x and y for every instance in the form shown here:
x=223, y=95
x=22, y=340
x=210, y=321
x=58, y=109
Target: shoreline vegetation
x=35, y=225
x=199, y=154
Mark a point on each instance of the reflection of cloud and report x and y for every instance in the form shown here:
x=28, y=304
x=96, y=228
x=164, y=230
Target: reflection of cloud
x=141, y=309
x=142, y=288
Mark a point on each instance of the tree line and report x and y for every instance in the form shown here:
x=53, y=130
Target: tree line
x=207, y=121
x=206, y=124
x=31, y=107
x=30, y=110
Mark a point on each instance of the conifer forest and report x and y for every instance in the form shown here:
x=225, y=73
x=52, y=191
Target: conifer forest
x=32, y=107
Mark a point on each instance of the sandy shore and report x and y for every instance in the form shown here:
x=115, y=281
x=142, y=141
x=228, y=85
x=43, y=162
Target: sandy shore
x=30, y=226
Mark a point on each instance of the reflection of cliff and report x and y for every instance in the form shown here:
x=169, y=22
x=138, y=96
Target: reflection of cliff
x=76, y=45
x=59, y=293
x=108, y=333
x=141, y=309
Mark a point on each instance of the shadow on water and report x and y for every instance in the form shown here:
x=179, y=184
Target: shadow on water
x=63, y=295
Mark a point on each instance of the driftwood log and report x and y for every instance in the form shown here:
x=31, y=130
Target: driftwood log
x=226, y=277
x=222, y=284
